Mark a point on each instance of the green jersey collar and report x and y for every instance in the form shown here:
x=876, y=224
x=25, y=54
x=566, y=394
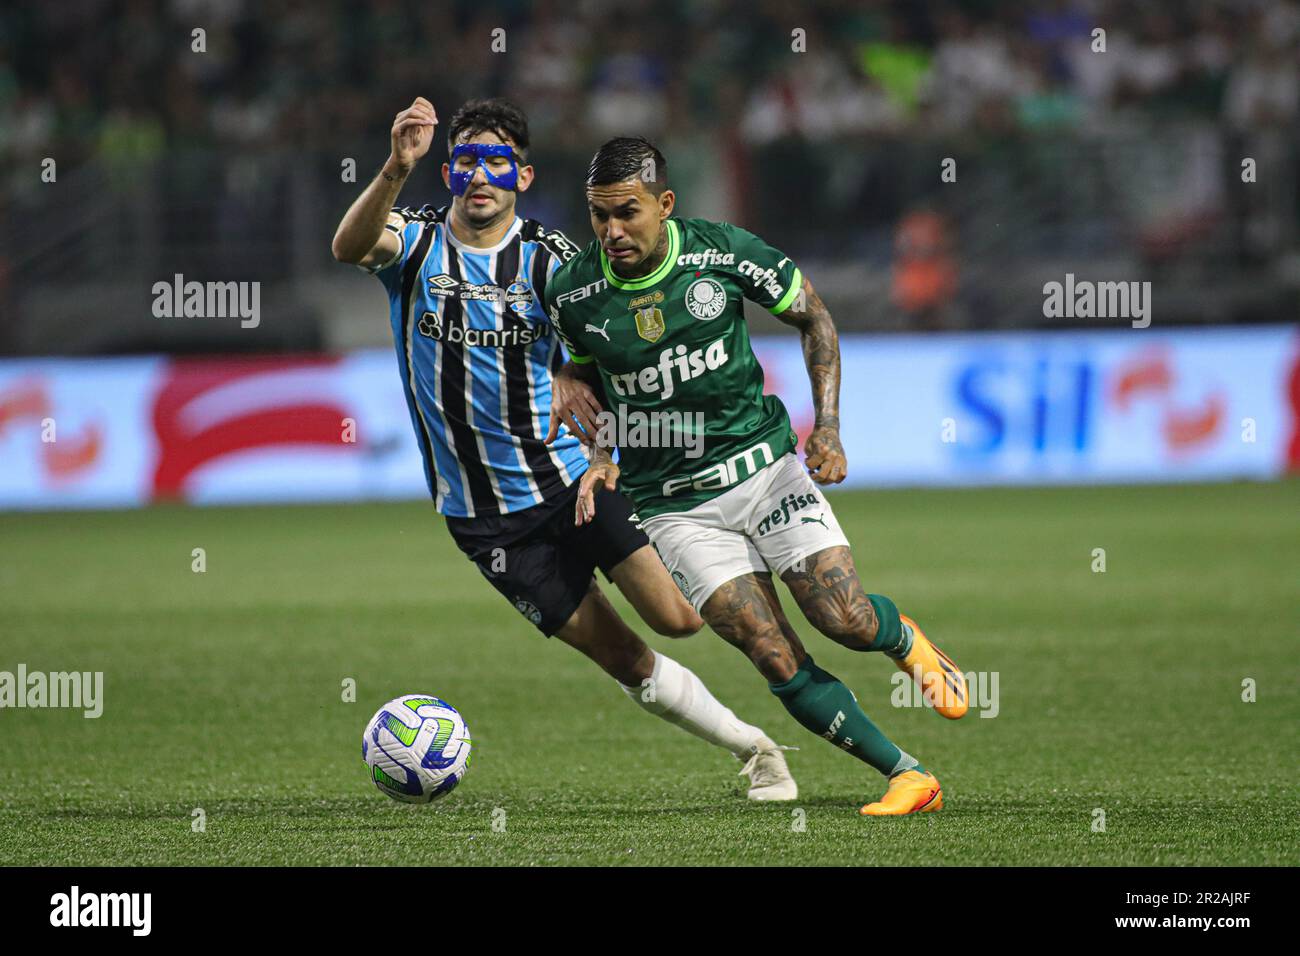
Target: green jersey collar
x=670, y=260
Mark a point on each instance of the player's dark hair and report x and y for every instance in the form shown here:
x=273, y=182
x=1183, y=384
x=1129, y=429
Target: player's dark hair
x=629, y=157
x=497, y=115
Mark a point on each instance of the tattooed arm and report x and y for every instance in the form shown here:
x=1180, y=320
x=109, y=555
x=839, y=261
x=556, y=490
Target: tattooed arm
x=824, y=455
x=577, y=398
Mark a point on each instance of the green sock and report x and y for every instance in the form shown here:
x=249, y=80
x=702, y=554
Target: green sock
x=826, y=707
x=892, y=635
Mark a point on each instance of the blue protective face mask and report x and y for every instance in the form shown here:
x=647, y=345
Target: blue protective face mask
x=481, y=151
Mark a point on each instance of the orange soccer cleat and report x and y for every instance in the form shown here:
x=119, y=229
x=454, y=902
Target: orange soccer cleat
x=909, y=792
x=942, y=682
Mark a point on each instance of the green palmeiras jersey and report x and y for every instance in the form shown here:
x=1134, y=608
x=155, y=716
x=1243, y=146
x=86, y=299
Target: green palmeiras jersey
x=685, y=390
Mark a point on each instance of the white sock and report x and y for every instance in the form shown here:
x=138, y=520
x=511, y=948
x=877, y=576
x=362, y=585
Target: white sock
x=679, y=697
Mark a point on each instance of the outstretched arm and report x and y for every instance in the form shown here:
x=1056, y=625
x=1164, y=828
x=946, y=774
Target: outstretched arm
x=577, y=397
x=361, y=237
x=824, y=454
x=601, y=469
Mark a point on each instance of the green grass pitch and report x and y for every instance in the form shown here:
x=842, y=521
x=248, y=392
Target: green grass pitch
x=1119, y=691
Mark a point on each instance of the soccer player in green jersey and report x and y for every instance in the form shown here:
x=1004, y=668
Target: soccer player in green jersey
x=652, y=316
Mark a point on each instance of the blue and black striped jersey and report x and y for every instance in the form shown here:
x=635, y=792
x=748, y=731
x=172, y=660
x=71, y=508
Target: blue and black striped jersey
x=476, y=352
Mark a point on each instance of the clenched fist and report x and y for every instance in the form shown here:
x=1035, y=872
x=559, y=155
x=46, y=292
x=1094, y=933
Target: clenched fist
x=412, y=134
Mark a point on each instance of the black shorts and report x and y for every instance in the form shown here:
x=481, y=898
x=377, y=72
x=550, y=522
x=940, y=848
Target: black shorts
x=540, y=561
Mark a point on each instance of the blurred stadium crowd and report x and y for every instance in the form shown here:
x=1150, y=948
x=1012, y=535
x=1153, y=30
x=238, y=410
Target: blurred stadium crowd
x=821, y=125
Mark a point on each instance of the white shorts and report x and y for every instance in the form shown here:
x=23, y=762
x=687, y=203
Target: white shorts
x=767, y=522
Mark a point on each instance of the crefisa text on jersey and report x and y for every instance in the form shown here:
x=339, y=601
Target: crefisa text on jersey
x=659, y=377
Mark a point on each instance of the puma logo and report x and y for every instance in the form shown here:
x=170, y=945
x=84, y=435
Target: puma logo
x=804, y=519
x=601, y=330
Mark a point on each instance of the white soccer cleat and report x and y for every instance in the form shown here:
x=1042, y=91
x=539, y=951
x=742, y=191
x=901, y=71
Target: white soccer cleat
x=769, y=777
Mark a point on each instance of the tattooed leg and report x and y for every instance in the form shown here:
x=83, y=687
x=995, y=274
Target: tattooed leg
x=826, y=587
x=827, y=590
x=746, y=613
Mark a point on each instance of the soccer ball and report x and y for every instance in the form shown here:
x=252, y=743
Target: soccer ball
x=416, y=748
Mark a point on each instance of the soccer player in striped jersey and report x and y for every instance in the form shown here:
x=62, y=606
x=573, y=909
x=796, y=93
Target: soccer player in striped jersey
x=476, y=353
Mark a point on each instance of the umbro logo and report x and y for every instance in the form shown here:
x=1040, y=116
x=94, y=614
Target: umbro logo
x=445, y=286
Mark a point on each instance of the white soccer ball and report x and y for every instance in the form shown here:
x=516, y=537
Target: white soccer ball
x=416, y=748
